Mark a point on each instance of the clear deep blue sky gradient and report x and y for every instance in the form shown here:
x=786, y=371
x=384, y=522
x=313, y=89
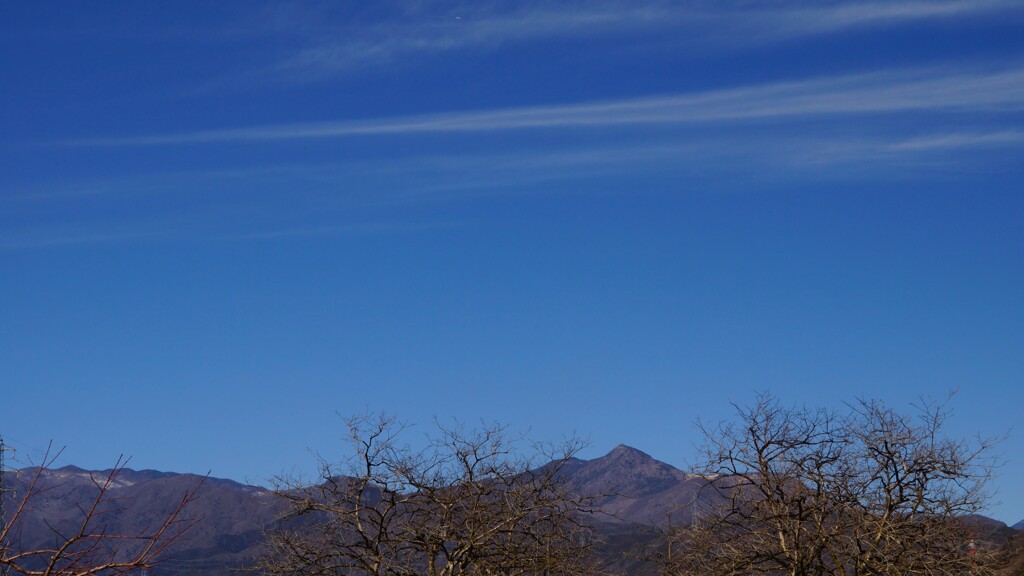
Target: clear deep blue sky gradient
x=224, y=223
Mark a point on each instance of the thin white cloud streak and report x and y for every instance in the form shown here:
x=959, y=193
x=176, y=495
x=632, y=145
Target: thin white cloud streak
x=378, y=44
x=958, y=141
x=369, y=182
x=875, y=93
x=811, y=19
x=348, y=198
x=852, y=14
x=724, y=24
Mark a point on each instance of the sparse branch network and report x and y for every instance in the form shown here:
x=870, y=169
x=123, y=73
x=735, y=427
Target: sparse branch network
x=88, y=545
x=815, y=492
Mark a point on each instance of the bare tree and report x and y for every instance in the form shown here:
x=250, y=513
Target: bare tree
x=810, y=492
x=469, y=504
x=87, y=546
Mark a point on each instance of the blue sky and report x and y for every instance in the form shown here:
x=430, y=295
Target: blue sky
x=222, y=225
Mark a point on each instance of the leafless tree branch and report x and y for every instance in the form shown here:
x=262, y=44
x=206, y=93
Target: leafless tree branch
x=89, y=548
x=467, y=504
x=811, y=492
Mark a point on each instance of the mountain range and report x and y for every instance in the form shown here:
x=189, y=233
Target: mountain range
x=642, y=495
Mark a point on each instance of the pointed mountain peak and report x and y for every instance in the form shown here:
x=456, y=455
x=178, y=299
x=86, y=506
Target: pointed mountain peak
x=70, y=469
x=627, y=472
x=623, y=451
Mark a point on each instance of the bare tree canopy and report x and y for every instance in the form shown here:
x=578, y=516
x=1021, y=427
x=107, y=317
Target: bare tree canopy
x=88, y=545
x=866, y=490
x=469, y=504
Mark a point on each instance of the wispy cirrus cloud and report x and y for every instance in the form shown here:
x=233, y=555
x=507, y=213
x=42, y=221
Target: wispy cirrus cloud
x=473, y=27
x=927, y=90
x=383, y=194
x=340, y=45
x=801, y=19
x=958, y=140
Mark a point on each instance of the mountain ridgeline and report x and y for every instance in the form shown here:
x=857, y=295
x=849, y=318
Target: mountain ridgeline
x=639, y=495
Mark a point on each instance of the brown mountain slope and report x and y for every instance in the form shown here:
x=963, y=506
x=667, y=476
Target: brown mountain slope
x=639, y=489
x=641, y=494
x=230, y=515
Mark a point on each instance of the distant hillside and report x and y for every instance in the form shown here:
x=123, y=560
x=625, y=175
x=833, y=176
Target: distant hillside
x=231, y=515
x=640, y=494
x=639, y=489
